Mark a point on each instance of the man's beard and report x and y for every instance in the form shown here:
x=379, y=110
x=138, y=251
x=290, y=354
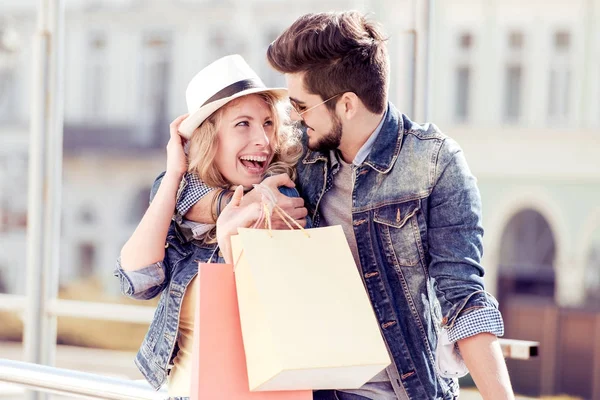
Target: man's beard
x=329, y=141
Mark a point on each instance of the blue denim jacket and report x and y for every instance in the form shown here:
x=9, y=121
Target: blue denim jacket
x=416, y=213
x=168, y=278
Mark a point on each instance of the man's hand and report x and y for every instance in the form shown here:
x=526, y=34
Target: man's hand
x=293, y=206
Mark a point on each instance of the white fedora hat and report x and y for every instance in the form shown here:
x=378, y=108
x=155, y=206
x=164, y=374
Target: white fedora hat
x=217, y=84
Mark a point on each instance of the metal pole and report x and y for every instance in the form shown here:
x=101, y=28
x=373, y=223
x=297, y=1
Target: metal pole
x=428, y=63
x=45, y=170
x=54, y=148
x=423, y=60
x=35, y=204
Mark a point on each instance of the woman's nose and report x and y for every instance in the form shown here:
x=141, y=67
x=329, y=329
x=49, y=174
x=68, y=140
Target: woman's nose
x=260, y=137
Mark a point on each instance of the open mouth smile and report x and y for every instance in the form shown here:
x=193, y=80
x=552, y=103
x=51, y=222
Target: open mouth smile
x=254, y=164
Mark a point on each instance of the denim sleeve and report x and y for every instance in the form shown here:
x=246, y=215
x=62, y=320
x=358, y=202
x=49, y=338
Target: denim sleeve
x=293, y=192
x=142, y=284
x=455, y=238
x=289, y=192
x=156, y=185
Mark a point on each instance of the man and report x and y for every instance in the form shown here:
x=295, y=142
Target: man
x=408, y=204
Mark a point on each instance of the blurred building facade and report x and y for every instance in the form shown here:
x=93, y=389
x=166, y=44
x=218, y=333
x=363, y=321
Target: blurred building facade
x=516, y=83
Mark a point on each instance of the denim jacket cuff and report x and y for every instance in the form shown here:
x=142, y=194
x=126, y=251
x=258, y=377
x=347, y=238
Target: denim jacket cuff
x=135, y=283
x=476, y=300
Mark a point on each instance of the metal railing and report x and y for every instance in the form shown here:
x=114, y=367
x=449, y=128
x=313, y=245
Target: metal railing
x=83, y=309
x=78, y=384
x=41, y=378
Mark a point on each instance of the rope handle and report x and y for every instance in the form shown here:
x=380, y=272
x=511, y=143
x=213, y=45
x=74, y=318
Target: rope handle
x=269, y=204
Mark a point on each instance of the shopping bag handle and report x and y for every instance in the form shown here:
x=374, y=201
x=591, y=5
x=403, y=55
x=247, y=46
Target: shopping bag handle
x=269, y=203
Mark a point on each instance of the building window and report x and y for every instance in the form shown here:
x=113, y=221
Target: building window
x=465, y=41
x=8, y=94
x=87, y=259
x=512, y=106
x=3, y=285
x=592, y=273
x=95, y=96
x=515, y=40
x=87, y=215
x=155, y=84
x=513, y=86
x=560, y=78
x=13, y=204
x=463, y=77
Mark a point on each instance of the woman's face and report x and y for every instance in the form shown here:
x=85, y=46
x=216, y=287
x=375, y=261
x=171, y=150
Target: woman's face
x=245, y=138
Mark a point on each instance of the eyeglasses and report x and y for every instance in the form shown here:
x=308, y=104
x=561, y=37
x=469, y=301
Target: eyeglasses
x=300, y=113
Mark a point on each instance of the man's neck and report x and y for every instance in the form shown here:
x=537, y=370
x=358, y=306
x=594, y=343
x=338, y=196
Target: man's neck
x=355, y=136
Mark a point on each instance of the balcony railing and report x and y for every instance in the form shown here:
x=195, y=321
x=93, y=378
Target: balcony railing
x=71, y=383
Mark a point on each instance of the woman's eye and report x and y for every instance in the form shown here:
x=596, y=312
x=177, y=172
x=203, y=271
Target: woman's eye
x=268, y=123
x=243, y=123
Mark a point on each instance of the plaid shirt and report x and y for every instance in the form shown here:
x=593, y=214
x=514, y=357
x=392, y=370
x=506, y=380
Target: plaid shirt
x=192, y=192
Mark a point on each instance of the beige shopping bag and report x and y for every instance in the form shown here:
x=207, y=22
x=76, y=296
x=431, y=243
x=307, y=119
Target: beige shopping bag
x=307, y=322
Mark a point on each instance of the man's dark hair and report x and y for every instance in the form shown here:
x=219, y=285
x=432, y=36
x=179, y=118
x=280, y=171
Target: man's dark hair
x=337, y=52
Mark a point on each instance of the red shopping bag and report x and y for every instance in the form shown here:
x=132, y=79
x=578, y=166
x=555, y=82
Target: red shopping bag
x=219, y=363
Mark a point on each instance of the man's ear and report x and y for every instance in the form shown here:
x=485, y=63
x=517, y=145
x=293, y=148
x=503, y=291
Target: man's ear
x=349, y=105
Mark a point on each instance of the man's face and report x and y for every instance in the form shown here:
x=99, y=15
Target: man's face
x=323, y=126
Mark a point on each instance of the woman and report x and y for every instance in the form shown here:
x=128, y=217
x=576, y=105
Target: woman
x=238, y=133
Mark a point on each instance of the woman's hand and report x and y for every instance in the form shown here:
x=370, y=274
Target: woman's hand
x=232, y=217
x=177, y=163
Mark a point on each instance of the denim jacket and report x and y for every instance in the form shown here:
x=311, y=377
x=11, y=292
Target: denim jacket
x=416, y=212
x=168, y=278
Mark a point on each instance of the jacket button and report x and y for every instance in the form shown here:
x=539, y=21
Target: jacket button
x=444, y=320
x=220, y=254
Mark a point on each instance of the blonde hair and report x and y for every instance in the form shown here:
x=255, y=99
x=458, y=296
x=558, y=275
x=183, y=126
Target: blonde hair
x=204, y=143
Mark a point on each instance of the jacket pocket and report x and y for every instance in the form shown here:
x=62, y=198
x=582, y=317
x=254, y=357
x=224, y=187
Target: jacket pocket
x=398, y=227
